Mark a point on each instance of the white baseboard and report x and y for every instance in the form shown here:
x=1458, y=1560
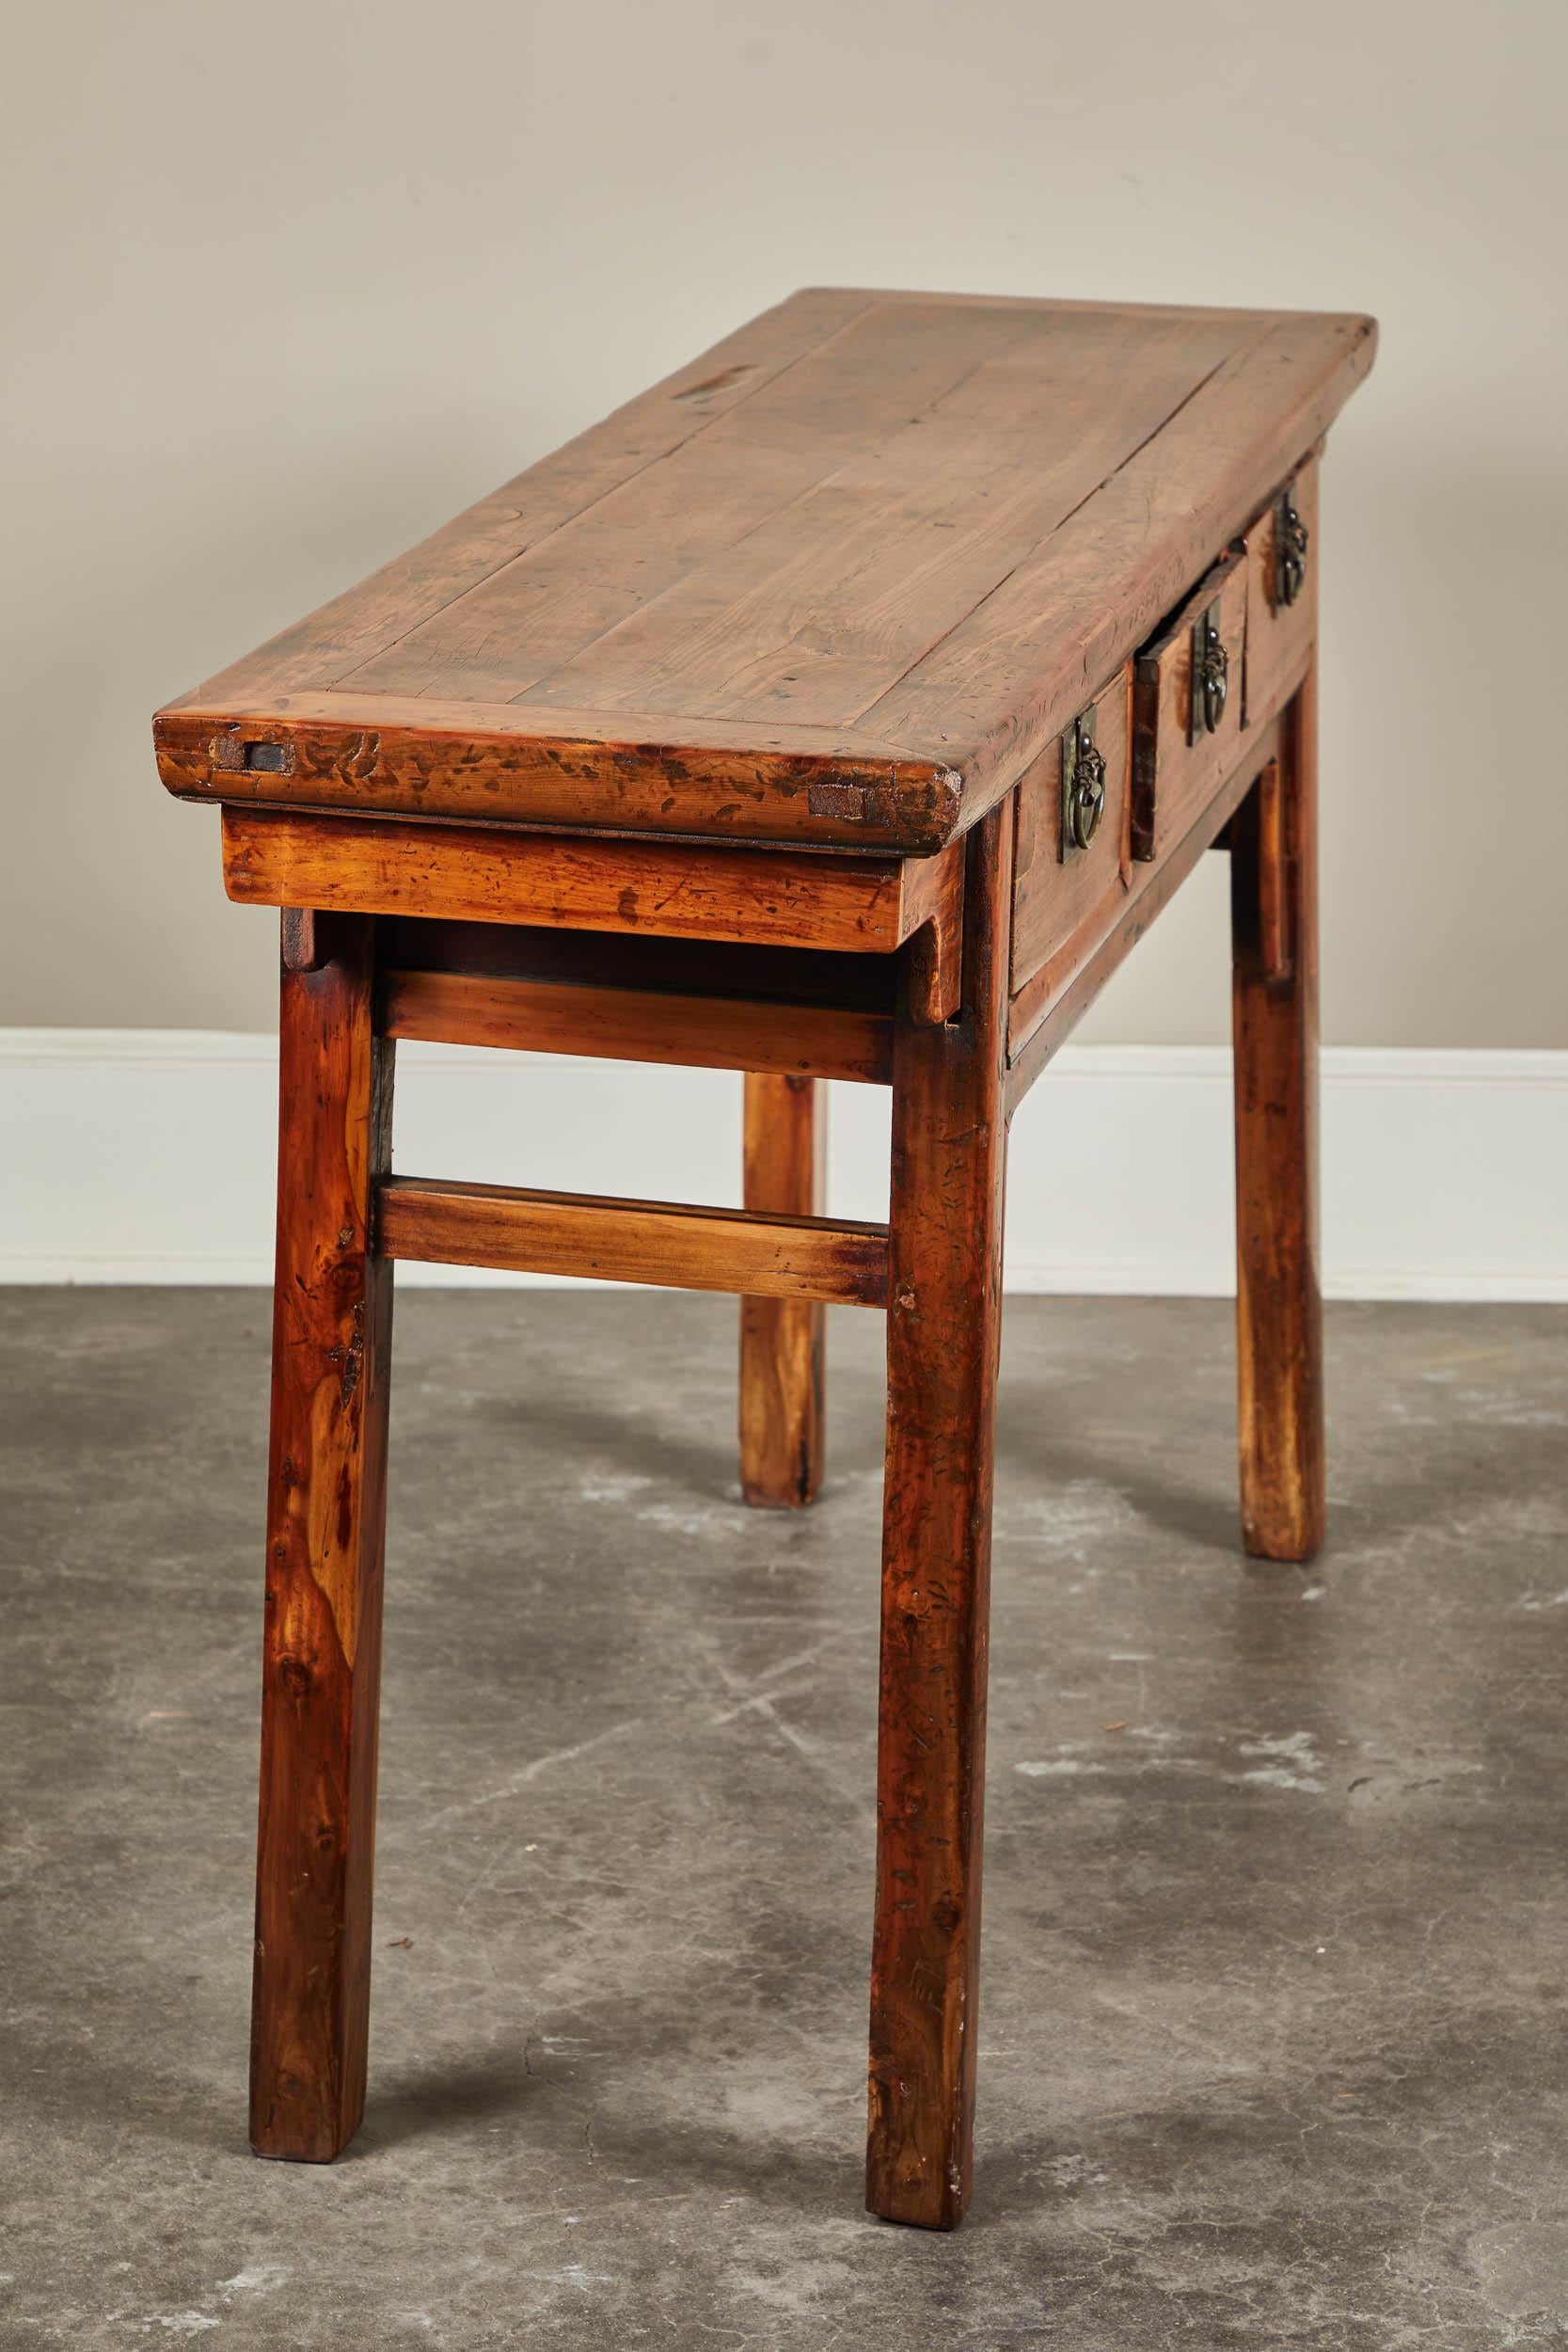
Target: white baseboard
x=148, y=1156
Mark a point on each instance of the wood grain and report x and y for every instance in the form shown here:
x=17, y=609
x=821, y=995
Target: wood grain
x=306, y=939
x=1054, y=895
x=613, y=772
x=944, y=1303
x=721, y=969
x=326, y=1507
x=629, y=589
x=530, y=509
x=276, y=857
x=1264, y=820
x=1278, y=1297
x=790, y=1042
x=1044, y=1014
x=988, y=697
x=845, y=593
x=666, y=1243
x=817, y=609
x=730, y=735
x=1279, y=636
x=1176, y=772
x=782, y=1340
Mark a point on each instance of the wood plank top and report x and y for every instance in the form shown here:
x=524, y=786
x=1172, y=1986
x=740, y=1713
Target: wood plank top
x=834, y=583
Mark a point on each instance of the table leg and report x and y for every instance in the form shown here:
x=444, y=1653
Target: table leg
x=782, y=1340
x=945, y=1300
x=331, y=1343
x=1275, y=1000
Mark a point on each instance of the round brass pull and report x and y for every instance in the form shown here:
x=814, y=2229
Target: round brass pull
x=1086, y=804
x=1213, y=682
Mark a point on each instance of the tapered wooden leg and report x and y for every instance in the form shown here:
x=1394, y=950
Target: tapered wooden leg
x=945, y=1300
x=782, y=1339
x=331, y=1340
x=1279, y=1303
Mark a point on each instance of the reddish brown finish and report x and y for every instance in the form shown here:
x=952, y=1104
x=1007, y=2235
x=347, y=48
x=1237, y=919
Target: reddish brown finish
x=527, y=511
x=332, y=1335
x=840, y=582
x=306, y=940
x=1011, y=674
x=944, y=1302
x=1279, y=636
x=1044, y=1014
x=783, y=1340
x=667, y=1243
x=626, y=771
x=723, y=971
x=1178, y=767
x=1279, y=1302
x=274, y=857
x=800, y=1042
x=809, y=612
x=1262, y=831
x=1060, y=896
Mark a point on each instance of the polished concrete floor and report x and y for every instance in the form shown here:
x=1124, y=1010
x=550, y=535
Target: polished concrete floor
x=1272, y=2047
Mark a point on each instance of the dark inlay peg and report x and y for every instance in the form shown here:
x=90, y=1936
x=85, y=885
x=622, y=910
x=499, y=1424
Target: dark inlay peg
x=273, y=760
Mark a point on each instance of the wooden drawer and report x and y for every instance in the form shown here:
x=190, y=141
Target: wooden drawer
x=1280, y=628
x=1065, y=897
x=1178, y=760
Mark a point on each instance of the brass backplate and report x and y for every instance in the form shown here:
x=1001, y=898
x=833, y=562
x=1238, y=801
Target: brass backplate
x=1083, y=786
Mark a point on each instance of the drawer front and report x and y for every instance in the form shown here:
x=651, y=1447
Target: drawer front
x=1180, y=760
x=1063, y=894
x=1281, y=628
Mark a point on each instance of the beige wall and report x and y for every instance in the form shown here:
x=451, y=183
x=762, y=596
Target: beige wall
x=291, y=283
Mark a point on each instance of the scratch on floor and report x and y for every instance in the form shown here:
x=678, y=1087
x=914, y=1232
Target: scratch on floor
x=527, y=1773
x=508, y=1844
x=759, y=1701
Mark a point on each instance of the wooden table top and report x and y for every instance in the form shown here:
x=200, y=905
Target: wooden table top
x=835, y=582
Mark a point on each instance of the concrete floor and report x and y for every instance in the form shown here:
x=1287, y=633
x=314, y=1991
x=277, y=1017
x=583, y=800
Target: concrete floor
x=1272, y=2043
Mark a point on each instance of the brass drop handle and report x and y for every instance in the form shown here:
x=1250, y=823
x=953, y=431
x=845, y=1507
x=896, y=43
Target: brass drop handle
x=1210, y=670
x=1087, y=799
x=1082, y=785
x=1290, y=537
